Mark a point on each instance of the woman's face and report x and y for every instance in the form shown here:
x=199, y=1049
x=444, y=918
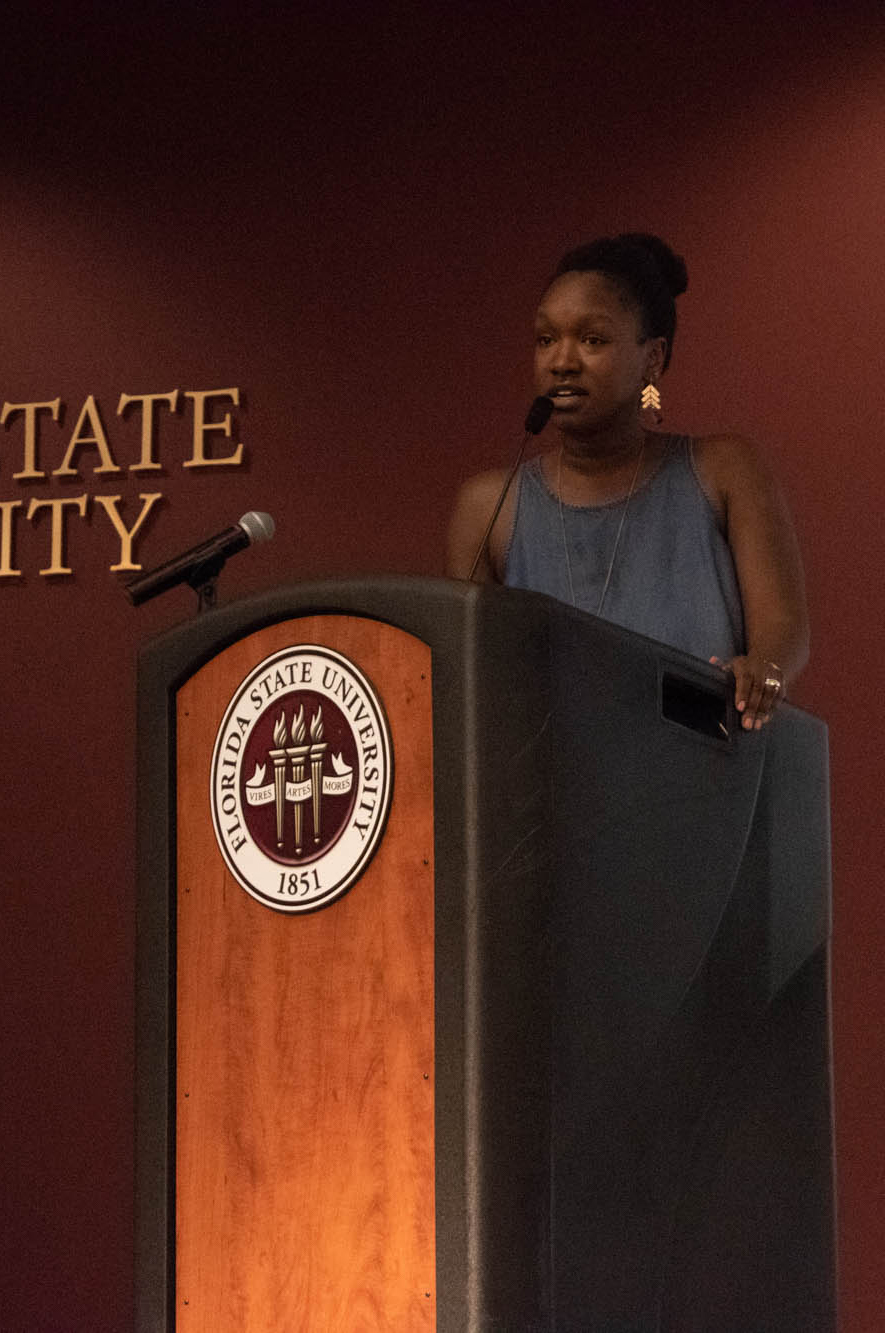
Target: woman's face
x=590, y=355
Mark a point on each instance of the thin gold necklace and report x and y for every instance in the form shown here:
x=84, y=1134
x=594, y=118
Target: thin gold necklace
x=611, y=563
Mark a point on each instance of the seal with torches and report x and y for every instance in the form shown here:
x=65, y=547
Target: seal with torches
x=302, y=777
x=304, y=787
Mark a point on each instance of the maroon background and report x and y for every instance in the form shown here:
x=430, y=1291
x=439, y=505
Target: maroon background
x=350, y=217
x=339, y=739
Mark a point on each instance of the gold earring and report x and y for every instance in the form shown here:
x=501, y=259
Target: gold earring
x=651, y=400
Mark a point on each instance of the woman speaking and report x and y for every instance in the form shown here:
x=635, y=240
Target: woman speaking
x=686, y=540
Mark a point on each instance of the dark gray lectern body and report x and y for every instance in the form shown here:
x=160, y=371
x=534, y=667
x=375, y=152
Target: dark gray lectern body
x=631, y=986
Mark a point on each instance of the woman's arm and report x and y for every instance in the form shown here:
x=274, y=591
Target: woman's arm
x=763, y=543
x=473, y=509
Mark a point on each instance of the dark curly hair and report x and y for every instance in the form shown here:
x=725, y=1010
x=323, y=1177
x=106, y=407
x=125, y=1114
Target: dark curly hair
x=646, y=271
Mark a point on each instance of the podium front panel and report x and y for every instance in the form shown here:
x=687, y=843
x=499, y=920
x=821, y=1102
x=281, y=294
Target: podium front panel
x=536, y=1067
x=304, y=1108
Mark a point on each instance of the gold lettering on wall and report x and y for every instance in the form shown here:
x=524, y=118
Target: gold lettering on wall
x=6, y=530
x=202, y=427
x=90, y=451
x=147, y=460
x=57, y=549
x=89, y=416
x=30, y=471
x=109, y=505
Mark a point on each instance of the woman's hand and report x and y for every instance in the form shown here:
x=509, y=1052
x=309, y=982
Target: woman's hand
x=758, y=688
x=754, y=515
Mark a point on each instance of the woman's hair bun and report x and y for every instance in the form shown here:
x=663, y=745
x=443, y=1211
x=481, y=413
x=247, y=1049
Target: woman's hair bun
x=648, y=273
x=670, y=265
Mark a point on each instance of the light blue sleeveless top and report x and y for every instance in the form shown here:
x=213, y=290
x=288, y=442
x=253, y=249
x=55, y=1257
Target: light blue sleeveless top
x=673, y=577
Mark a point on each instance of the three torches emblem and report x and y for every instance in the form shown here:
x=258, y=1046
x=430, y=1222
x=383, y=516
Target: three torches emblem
x=304, y=759
x=301, y=778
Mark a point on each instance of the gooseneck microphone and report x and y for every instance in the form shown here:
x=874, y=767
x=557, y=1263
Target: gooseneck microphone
x=536, y=419
x=202, y=562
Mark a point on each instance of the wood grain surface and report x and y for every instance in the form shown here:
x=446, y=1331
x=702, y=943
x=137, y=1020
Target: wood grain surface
x=304, y=1098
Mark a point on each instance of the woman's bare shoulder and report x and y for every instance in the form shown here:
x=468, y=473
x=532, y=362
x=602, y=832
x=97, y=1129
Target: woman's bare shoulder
x=729, y=464
x=727, y=453
x=474, y=505
x=478, y=488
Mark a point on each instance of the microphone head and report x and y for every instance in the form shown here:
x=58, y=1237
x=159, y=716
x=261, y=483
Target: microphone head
x=258, y=527
x=538, y=415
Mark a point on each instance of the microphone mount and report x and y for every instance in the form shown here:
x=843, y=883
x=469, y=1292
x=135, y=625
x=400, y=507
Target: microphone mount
x=200, y=567
x=204, y=581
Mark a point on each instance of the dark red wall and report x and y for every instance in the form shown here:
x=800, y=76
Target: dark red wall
x=349, y=218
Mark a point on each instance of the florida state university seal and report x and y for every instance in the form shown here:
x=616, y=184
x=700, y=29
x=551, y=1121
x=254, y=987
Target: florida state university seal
x=302, y=777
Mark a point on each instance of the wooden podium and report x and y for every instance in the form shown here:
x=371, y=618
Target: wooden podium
x=482, y=977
